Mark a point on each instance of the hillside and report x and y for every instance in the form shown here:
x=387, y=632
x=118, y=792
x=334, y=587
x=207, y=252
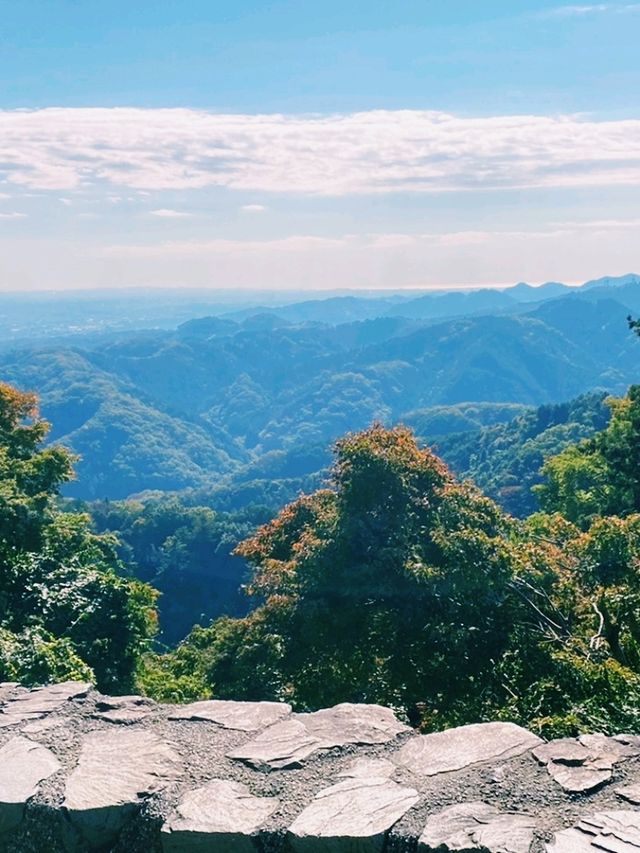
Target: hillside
x=180, y=409
x=505, y=460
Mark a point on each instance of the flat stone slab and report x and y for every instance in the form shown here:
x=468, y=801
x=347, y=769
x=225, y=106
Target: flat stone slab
x=584, y=764
x=478, y=826
x=286, y=744
x=630, y=793
x=23, y=765
x=579, y=780
x=124, y=709
x=290, y=743
x=562, y=751
x=465, y=746
x=353, y=815
x=7, y=688
x=239, y=716
x=220, y=816
x=604, y=832
x=351, y=723
x=37, y=703
x=115, y=771
x=614, y=749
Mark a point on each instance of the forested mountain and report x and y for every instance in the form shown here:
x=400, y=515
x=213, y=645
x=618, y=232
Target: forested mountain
x=191, y=408
x=505, y=460
x=375, y=588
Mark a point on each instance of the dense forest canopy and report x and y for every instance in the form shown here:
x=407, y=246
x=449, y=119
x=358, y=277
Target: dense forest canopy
x=66, y=611
x=401, y=585
x=479, y=562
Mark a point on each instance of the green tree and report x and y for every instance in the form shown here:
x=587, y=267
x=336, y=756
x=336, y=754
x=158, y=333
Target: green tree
x=371, y=591
x=601, y=475
x=65, y=609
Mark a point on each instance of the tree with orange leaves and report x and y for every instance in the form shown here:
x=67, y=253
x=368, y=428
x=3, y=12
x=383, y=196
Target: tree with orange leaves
x=390, y=587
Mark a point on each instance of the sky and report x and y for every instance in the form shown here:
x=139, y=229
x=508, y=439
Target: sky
x=292, y=145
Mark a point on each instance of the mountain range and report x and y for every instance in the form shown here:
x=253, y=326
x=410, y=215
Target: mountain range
x=196, y=406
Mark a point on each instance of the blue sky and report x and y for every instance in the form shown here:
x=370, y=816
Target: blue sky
x=334, y=144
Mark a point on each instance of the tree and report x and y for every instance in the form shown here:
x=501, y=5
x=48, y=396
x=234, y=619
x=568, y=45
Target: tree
x=65, y=608
x=601, y=475
x=372, y=590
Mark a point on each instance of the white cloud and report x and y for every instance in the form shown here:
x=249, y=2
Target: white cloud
x=579, y=11
x=379, y=151
x=13, y=215
x=165, y=213
x=253, y=208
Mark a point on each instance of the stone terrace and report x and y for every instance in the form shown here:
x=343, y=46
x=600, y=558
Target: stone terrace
x=84, y=772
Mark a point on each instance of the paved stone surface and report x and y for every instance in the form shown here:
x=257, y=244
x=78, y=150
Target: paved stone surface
x=465, y=746
x=352, y=815
x=23, y=765
x=137, y=776
x=290, y=743
x=115, y=771
x=220, y=817
x=478, y=826
x=604, y=832
x=241, y=716
x=38, y=703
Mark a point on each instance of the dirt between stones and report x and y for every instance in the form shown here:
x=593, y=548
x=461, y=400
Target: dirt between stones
x=519, y=784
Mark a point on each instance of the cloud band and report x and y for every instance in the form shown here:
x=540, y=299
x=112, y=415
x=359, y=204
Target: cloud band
x=358, y=153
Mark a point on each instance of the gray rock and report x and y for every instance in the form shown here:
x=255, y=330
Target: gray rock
x=286, y=744
x=290, y=743
x=353, y=816
x=112, y=703
x=124, y=709
x=455, y=749
x=115, y=771
x=631, y=793
x=612, y=749
x=478, y=826
x=349, y=723
x=23, y=765
x=579, y=780
x=605, y=832
x=7, y=688
x=586, y=763
x=220, y=816
x=41, y=725
x=562, y=751
x=38, y=703
x=241, y=716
